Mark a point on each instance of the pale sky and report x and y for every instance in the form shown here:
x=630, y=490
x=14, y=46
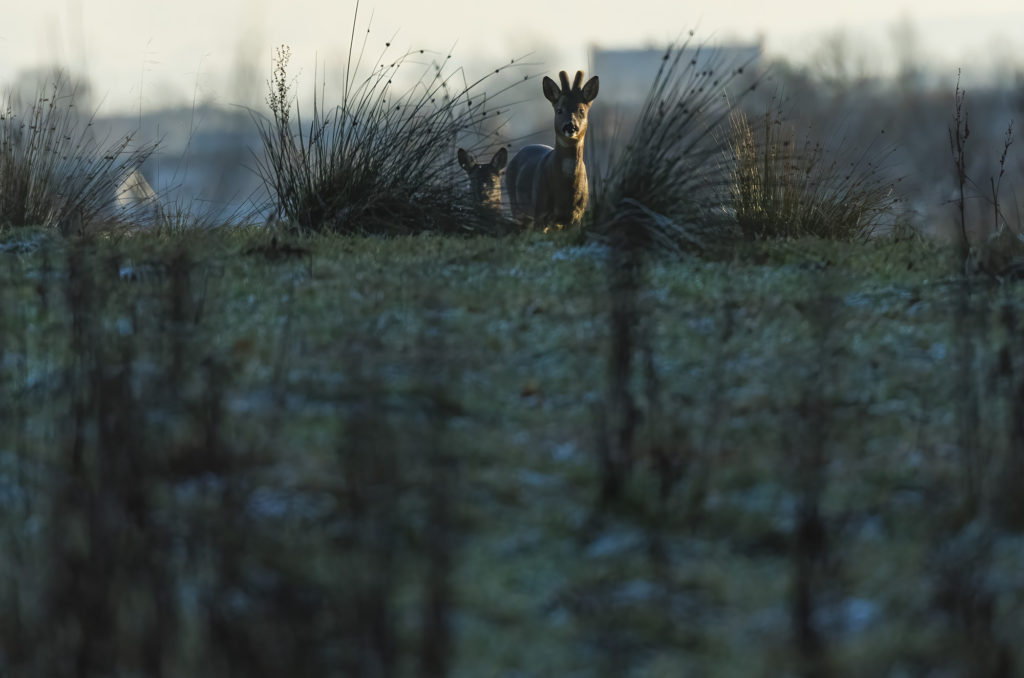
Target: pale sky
x=154, y=53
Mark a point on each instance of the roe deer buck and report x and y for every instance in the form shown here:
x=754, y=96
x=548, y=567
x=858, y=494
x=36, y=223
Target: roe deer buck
x=485, y=180
x=549, y=185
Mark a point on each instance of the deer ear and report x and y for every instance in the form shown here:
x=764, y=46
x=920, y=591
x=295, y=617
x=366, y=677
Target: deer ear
x=500, y=158
x=467, y=161
x=551, y=90
x=590, y=90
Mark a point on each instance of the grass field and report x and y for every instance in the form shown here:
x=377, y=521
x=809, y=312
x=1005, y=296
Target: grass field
x=226, y=455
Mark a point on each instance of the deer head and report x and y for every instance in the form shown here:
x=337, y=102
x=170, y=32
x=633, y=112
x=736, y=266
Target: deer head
x=484, y=180
x=571, y=104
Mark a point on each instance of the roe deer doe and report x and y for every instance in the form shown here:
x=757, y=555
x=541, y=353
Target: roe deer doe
x=549, y=185
x=484, y=180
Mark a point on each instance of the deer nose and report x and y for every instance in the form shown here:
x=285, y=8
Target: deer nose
x=570, y=129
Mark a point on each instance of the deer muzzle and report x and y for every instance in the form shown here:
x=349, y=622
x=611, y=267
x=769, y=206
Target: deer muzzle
x=570, y=129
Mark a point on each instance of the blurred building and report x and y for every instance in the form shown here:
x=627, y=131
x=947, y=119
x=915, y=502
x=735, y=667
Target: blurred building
x=627, y=74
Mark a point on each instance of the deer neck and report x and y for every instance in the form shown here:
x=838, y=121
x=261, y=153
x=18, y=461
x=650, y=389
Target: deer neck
x=569, y=156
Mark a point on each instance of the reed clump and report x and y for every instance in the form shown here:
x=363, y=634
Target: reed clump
x=784, y=185
x=55, y=170
x=380, y=161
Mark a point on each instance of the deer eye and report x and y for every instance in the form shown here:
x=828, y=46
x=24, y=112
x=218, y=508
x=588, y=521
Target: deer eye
x=559, y=110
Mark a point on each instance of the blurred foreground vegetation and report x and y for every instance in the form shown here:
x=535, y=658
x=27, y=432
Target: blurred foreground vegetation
x=222, y=453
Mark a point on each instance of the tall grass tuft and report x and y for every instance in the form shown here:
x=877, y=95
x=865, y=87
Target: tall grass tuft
x=784, y=186
x=664, y=188
x=55, y=171
x=382, y=161
x=996, y=251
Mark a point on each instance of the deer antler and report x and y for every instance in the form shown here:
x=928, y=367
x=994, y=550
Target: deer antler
x=564, y=77
x=578, y=81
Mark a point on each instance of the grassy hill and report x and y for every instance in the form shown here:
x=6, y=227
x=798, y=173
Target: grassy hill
x=222, y=453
